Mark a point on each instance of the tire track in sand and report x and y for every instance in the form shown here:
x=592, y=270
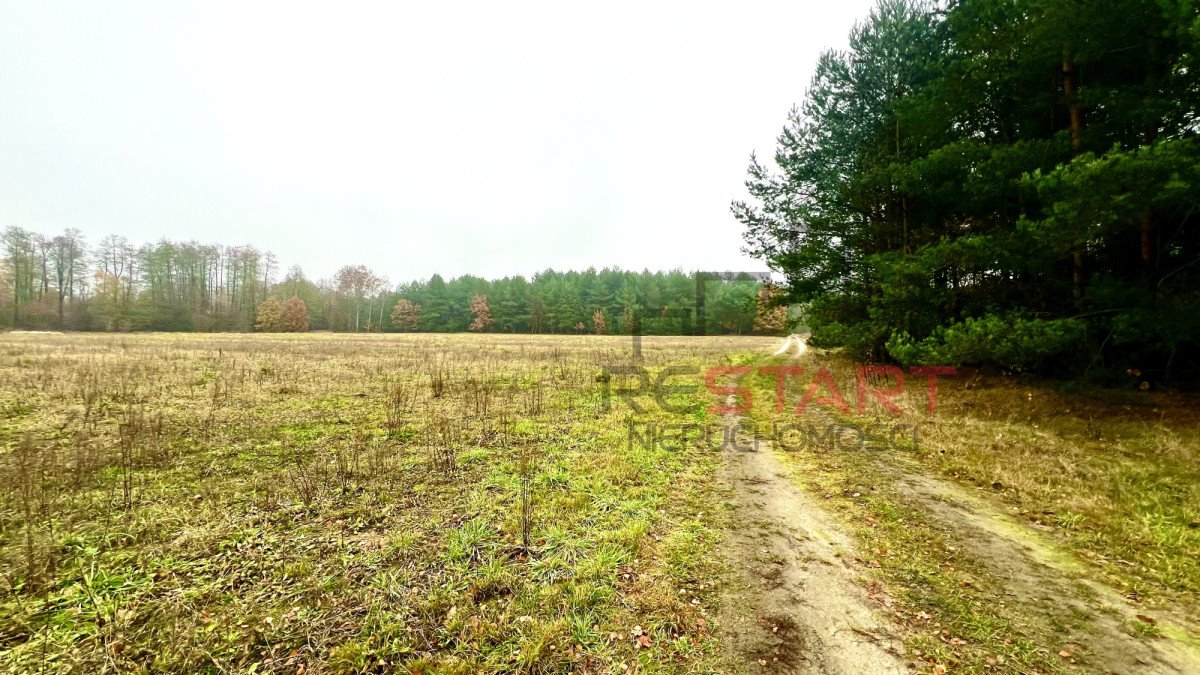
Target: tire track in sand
x=1039, y=579
x=793, y=604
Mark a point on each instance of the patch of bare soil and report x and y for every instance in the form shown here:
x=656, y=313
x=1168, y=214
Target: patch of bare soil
x=793, y=604
x=1046, y=582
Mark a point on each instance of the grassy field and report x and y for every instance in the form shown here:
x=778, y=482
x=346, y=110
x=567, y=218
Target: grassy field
x=335, y=503
x=434, y=503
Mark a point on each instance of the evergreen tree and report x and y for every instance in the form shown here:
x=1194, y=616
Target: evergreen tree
x=990, y=182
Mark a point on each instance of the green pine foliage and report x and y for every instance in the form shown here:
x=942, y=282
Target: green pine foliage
x=651, y=303
x=997, y=183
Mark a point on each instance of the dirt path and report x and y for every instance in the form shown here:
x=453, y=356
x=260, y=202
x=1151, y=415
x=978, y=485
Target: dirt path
x=1044, y=581
x=1039, y=579
x=794, y=604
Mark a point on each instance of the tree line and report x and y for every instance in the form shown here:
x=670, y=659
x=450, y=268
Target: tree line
x=1011, y=182
x=59, y=282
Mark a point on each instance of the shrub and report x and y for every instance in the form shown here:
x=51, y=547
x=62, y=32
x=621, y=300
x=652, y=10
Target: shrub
x=1011, y=342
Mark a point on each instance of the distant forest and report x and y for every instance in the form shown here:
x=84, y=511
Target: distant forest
x=1009, y=183
x=59, y=282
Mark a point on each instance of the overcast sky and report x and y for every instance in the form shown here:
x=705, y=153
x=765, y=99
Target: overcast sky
x=483, y=138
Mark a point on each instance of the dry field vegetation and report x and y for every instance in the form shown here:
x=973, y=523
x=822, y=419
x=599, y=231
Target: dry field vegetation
x=339, y=503
x=464, y=503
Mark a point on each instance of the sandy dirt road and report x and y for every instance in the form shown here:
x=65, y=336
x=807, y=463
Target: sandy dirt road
x=798, y=600
x=794, y=603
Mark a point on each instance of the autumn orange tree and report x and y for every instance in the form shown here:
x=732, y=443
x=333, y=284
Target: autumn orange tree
x=406, y=315
x=770, y=317
x=270, y=316
x=482, y=313
x=294, y=318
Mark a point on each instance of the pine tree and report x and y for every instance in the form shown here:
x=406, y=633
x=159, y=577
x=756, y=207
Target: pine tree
x=989, y=183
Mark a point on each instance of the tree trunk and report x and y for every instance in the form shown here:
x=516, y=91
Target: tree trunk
x=1073, y=109
x=1146, y=230
x=61, y=296
x=1076, y=117
x=16, y=291
x=1077, y=274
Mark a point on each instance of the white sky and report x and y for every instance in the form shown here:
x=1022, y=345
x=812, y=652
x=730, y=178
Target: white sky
x=483, y=138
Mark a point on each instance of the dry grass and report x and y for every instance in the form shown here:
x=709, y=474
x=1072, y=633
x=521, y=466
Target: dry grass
x=217, y=503
x=214, y=503
x=1114, y=473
